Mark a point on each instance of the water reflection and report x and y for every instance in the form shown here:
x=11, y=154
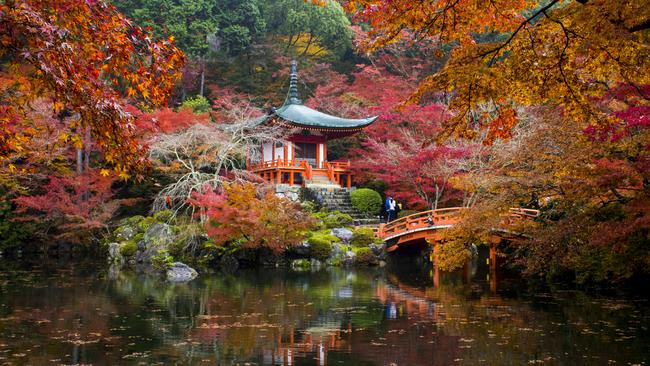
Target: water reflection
x=329, y=317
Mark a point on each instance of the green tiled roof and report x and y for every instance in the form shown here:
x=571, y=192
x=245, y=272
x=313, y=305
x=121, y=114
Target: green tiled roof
x=301, y=115
x=297, y=114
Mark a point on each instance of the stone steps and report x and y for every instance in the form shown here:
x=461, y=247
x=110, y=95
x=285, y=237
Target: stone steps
x=338, y=199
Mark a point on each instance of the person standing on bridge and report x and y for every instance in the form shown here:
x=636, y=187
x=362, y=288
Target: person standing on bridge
x=391, y=207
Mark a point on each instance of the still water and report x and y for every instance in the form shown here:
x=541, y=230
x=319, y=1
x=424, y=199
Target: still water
x=89, y=315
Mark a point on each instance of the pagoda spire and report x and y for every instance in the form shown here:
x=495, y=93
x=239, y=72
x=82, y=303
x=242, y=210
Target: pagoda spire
x=293, y=84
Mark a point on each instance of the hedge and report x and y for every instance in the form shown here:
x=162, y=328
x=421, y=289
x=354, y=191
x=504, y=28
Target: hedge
x=367, y=201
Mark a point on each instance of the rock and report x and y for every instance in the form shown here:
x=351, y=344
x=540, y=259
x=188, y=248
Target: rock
x=337, y=250
x=342, y=233
x=114, y=255
x=228, y=263
x=382, y=264
x=377, y=249
x=155, y=240
x=300, y=264
x=348, y=258
x=315, y=264
x=126, y=233
x=302, y=249
x=180, y=272
x=159, y=234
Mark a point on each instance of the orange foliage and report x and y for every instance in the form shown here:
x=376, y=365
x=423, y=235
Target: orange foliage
x=242, y=215
x=88, y=58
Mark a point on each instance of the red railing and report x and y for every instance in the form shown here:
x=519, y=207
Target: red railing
x=340, y=165
x=420, y=220
x=308, y=170
x=273, y=164
x=437, y=219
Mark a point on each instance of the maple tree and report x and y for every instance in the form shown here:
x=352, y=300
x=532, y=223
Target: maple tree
x=89, y=59
x=566, y=53
x=399, y=149
x=242, y=214
x=72, y=205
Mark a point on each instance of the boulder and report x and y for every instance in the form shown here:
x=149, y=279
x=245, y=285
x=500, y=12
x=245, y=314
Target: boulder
x=342, y=233
x=315, y=264
x=180, y=272
x=155, y=240
x=302, y=249
x=114, y=255
x=126, y=233
x=378, y=250
x=348, y=258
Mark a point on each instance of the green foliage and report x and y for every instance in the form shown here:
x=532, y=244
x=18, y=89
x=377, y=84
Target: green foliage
x=162, y=261
x=366, y=200
x=200, y=25
x=12, y=233
x=198, y=104
x=308, y=206
x=320, y=249
x=129, y=248
x=365, y=257
x=163, y=216
x=333, y=219
x=325, y=26
x=598, y=263
x=320, y=243
x=364, y=236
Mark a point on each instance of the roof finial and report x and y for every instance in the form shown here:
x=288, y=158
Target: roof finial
x=293, y=84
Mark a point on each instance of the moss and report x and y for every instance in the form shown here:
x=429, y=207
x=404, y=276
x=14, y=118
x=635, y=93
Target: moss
x=365, y=257
x=163, y=216
x=133, y=220
x=128, y=248
x=162, y=261
x=367, y=201
x=320, y=243
x=364, y=236
x=333, y=219
x=144, y=224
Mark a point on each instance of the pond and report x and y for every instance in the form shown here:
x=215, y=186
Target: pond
x=85, y=314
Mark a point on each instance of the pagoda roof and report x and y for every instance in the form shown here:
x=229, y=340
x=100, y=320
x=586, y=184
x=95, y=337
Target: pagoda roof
x=299, y=115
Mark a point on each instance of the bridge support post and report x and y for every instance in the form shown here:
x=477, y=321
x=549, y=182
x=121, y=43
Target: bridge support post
x=436, y=269
x=493, y=268
x=467, y=271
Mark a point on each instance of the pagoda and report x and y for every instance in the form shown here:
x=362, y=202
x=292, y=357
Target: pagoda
x=302, y=160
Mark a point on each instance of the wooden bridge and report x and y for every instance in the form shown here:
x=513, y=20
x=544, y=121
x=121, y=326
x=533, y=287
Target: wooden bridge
x=429, y=226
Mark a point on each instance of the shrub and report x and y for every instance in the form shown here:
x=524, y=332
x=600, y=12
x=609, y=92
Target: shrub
x=367, y=201
x=129, y=248
x=366, y=257
x=334, y=219
x=241, y=213
x=320, y=249
x=198, y=104
x=320, y=243
x=364, y=236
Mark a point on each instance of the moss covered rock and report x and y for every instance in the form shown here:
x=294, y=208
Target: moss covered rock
x=364, y=236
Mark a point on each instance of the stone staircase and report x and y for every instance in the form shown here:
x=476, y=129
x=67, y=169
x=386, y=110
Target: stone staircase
x=338, y=199
x=321, y=182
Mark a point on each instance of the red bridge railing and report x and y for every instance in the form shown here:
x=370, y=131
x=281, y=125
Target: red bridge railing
x=438, y=219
